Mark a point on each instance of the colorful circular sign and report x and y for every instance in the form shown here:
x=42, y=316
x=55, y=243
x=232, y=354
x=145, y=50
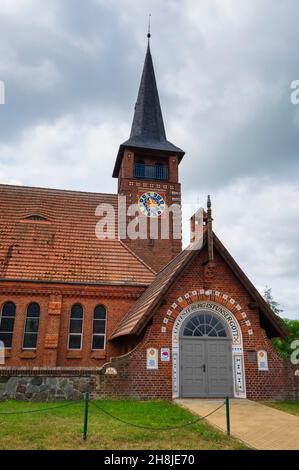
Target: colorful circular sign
x=151, y=204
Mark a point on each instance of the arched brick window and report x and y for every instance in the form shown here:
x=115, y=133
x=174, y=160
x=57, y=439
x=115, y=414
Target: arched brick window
x=76, y=327
x=99, y=327
x=7, y=322
x=31, y=326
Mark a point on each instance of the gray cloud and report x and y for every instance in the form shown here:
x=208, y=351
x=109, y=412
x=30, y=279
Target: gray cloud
x=73, y=61
x=224, y=71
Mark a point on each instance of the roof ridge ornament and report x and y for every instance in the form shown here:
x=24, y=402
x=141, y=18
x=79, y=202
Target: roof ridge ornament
x=210, y=230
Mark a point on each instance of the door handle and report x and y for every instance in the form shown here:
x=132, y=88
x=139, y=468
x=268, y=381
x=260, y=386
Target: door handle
x=204, y=367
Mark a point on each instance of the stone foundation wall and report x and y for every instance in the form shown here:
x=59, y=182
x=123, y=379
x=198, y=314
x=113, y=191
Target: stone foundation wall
x=45, y=388
x=64, y=384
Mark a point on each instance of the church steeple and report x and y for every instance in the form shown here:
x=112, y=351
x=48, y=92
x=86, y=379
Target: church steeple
x=148, y=131
x=147, y=168
x=148, y=125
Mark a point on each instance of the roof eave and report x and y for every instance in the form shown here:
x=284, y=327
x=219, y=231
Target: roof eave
x=176, y=151
x=138, y=328
x=275, y=321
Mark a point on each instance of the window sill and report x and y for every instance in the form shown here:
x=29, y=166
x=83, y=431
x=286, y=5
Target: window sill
x=7, y=353
x=27, y=355
x=74, y=355
x=98, y=354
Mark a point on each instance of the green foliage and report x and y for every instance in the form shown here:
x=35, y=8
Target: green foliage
x=290, y=406
x=270, y=300
x=283, y=346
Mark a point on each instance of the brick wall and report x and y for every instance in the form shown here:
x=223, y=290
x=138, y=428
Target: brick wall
x=159, y=253
x=55, y=304
x=132, y=378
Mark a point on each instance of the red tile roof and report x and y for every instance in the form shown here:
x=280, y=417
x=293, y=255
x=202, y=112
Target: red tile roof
x=64, y=247
x=144, y=308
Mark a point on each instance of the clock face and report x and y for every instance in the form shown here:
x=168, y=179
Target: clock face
x=151, y=204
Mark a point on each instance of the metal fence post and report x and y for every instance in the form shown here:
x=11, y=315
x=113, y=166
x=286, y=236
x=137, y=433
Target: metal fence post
x=85, y=424
x=227, y=415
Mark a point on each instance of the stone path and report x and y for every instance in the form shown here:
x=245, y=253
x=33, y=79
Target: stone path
x=259, y=426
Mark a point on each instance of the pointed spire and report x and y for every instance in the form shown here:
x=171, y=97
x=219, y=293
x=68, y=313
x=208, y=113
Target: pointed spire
x=148, y=122
x=148, y=131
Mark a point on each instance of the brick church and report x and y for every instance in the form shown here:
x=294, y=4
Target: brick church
x=129, y=316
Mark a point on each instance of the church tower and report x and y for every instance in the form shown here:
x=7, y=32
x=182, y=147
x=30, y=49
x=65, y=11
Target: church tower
x=147, y=168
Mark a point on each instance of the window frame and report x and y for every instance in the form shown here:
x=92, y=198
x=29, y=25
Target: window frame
x=99, y=334
x=203, y=315
x=76, y=334
x=25, y=324
x=14, y=319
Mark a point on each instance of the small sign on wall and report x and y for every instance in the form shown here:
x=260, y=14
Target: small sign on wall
x=262, y=360
x=165, y=354
x=152, y=358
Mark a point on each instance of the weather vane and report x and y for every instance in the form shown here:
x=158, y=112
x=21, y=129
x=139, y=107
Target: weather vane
x=149, y=27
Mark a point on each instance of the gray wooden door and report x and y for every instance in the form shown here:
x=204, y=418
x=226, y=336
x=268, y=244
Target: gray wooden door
x=219, y=368
x=205, y=367
x=193, y=377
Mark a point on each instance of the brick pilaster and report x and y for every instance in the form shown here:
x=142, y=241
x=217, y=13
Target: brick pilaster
x=52, y=331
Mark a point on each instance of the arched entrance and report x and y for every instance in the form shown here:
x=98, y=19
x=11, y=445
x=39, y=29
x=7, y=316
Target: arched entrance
x=216, y=338
x=205, y=357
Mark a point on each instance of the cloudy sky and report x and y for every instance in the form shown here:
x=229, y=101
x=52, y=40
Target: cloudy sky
x=72, y=69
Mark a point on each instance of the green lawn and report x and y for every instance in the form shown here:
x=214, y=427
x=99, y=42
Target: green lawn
x=62, y=428
x=290, y=406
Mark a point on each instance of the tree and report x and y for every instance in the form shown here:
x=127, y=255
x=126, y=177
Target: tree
x=271, y=302
x=282, y=346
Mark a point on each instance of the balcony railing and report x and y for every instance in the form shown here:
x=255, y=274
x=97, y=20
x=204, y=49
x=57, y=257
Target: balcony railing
x=152, y=172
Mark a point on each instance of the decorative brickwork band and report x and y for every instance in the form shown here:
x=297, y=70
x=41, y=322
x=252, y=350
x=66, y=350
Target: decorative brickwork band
x=51, y=341
x=236, y=337
x=54, y=308
x=202, y=295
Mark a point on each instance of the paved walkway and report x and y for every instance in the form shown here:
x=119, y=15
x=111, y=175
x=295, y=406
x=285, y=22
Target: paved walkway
x=259, y=426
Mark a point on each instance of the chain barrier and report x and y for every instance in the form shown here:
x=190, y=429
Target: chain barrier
x=117, y=418
x=40, y=410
